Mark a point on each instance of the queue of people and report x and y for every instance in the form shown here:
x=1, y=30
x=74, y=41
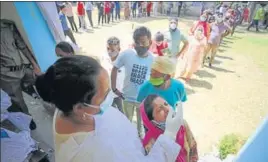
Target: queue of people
x=94, y=121
x=113, y=91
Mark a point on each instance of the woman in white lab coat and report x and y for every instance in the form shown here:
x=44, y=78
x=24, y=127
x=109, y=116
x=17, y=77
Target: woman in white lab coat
x=85, y=127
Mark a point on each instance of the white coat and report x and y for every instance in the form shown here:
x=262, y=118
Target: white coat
x=115, y=139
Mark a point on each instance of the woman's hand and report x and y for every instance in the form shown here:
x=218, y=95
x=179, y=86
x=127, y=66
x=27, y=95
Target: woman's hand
x=173, y=124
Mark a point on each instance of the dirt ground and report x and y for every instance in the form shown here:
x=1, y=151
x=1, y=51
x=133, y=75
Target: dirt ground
x=230, y=97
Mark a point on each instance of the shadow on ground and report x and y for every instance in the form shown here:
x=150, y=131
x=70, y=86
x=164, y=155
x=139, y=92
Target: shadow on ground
x=189, y=91
x=220, y=69
x=200, y=83
x=240, y=31
x=225, y=46
x=226, y=41
x=146, y=20
x=233, y=37
x=224, y=57
x=217, y=62
x=204, y=74
x=221, y=50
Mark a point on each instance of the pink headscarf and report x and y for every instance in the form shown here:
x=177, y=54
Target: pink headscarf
x=154, y=132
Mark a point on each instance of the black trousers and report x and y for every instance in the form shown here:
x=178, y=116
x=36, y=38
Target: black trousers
x=118, y=103
x=69, y=33
x=12, y=85
x=73, y=25
x=112, y=15
x=148, y=13
x=107, y=18
x=179, y=11
x=80, y=26
x=100, y=17
x=134, y=13
x=254, y=22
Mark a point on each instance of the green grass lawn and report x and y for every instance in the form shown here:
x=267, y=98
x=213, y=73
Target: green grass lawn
x=254, y=45
x=248, y=43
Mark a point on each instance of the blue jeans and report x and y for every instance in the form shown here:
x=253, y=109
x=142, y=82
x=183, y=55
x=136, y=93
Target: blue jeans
x=117, y=14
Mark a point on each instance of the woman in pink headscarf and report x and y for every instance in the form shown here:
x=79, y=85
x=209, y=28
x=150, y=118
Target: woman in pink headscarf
x=193, y=56
x=154, y=111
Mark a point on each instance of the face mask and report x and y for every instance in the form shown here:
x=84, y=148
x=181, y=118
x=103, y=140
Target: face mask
x=106, y=103
x=113, y=54
x=159, y=43
x=219, y=20
x=173, y=26
x=202, y=19
x=141, y=51
x=160, y=125
x=157, y=81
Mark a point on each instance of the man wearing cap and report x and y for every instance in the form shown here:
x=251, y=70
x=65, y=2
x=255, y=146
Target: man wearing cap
x=158, y=44
x=162, y=84
x=174, y=39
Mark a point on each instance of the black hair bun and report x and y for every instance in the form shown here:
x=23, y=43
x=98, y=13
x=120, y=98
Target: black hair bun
x=44, y=84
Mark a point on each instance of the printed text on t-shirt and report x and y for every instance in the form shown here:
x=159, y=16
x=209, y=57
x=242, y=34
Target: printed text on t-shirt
x=138, y=74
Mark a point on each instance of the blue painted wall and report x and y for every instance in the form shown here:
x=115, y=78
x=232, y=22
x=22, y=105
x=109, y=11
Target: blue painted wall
x=256, y=148
x=39, y=35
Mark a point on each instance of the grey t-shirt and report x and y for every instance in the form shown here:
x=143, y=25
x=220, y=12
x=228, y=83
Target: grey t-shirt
x=137, y=71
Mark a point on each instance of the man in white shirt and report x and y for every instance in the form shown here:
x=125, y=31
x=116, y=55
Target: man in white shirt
x=137, y=62
x=113, y=49
x=70, y=15
x=89, y=8
x=155, y=8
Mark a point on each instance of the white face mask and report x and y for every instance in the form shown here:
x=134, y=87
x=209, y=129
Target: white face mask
x=158, y=43
x=106, y=103
x=219, y=20
x=113, y=54
x=173, y=26
x=202, y=18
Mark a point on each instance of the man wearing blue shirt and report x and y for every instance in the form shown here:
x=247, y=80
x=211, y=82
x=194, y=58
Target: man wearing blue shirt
x=66, y=29
x=117, y=10
x=162, y=84
x=134, y=8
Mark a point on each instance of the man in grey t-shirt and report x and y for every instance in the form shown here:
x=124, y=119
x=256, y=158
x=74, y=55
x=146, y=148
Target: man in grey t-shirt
x=137, y=62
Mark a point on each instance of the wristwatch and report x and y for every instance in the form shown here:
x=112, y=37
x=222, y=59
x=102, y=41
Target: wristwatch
x=114, y=90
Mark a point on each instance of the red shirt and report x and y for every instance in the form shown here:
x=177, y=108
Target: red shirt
x=246, y=12
x=107, y=7
x=80, y=9
x=158, y=49
x=149, y=6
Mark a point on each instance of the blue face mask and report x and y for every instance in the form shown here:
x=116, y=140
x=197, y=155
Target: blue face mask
x=160, y=125
x=106, y=103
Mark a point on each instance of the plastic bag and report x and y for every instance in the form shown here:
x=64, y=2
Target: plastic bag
x=5, y=101
x=15, y=147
